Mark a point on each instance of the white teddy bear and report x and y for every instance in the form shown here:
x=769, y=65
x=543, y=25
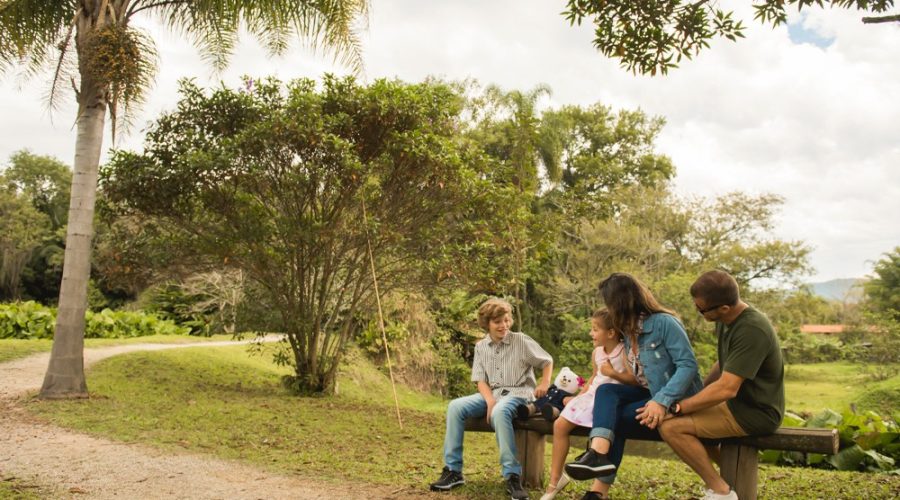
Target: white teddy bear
x=565, y=385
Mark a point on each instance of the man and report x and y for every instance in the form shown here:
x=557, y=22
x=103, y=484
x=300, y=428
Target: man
x=744, y=391
x=503, y=370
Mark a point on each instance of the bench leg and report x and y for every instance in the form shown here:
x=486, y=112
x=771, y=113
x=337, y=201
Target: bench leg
x=530, y=445
x=740, y=468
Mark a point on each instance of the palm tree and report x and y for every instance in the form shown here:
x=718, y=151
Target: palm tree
x=112, y=64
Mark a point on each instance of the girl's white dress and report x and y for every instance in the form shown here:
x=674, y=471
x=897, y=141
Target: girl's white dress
x=580, y=410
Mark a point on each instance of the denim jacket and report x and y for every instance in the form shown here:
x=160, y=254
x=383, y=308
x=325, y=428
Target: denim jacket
x=668, y=359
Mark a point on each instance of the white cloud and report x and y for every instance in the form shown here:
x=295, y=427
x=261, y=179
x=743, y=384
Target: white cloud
x=817, y=126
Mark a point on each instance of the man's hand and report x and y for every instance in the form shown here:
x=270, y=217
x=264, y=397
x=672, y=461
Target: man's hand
x=541, y=390
x=651, y=414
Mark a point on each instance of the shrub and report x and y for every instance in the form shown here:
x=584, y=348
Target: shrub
x=30, y=320
x=869, y=442
x=108, y=324
x=26, y=320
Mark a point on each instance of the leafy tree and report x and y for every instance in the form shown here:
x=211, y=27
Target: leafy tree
x=651, y=37
x=113, y=64
x=883, y=290
x=45, y=181
x=22, y=231
x=296, y=187
x=596, y=152
x=731, y=232
x=667, y=242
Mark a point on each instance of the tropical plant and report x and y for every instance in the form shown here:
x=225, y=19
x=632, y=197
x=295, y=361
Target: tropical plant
x=869, y=442
x=30, y=320
x=112, y=64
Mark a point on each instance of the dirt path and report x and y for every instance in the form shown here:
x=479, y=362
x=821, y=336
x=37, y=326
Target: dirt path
x=67, y=464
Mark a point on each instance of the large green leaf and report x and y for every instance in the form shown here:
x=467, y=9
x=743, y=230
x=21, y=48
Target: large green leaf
x=848, y=458
x=827, y=418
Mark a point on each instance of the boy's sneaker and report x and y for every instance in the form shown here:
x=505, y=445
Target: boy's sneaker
x=590, y=465
x=712, y=495
x=449, y=479
x=514, y=488
x=522, y=412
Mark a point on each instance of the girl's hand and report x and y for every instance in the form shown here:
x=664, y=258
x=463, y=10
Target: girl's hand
x=607, y=369
x=567, y=399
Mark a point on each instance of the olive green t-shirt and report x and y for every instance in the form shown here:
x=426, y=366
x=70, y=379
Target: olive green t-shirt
x=749, y=348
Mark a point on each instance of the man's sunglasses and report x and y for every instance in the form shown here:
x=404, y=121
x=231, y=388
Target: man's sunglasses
x=708, y=309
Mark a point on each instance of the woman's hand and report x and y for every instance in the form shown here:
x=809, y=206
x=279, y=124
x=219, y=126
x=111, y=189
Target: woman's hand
x=651, y=414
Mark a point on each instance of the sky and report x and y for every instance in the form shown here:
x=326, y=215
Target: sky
x=808, y=111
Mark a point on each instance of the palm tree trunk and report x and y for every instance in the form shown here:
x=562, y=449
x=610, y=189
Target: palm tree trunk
x=65, y=374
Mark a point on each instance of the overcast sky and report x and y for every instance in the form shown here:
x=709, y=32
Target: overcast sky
x=809, y=112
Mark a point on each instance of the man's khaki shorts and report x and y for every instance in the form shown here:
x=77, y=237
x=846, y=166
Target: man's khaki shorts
x=716, y=422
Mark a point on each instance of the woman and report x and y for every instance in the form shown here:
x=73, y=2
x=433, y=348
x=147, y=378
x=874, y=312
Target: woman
x=659, y=356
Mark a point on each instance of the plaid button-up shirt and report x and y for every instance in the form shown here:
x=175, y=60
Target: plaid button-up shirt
x=509, y=365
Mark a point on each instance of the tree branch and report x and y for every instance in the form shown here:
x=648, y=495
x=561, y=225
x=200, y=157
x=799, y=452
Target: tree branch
x=881, y=19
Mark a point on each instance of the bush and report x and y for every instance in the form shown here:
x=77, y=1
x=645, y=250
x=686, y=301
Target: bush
x=30, y=320
x=26, y=320
x=869, y=442
x=170, y=302
x=108, y=324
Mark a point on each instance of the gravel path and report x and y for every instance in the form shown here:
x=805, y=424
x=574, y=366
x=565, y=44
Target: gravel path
x=67, y=464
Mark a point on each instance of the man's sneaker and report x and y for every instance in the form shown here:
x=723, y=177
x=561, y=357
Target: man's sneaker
x=590, y=465
x=712, y=495
x=449, y=479
x=514, y=488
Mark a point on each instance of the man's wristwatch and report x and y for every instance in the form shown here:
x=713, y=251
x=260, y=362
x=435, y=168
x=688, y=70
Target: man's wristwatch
x=675, y=409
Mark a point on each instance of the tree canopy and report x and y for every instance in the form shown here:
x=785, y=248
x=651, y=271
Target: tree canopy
x=294, y=186
x=883, y=289
x=653, y=37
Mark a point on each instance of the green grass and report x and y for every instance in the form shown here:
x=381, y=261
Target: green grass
x=19, y=348
x=14, y=488
x=225, y=403
x=814, y=387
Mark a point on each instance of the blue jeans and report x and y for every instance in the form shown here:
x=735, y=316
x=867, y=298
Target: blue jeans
x=475, y=406
x=615, y=408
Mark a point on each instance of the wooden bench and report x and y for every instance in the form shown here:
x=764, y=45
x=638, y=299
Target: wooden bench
x=739, y=456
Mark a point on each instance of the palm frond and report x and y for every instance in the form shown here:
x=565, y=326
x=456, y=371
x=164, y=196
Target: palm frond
x=214, y=25
x=30, y=31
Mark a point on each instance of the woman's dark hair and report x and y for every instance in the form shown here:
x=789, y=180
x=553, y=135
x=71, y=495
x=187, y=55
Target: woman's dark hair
x=627, y=300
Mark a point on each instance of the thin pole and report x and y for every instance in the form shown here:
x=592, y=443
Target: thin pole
x=387, y=351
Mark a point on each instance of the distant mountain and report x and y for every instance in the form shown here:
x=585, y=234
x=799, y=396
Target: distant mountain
x=841, y=290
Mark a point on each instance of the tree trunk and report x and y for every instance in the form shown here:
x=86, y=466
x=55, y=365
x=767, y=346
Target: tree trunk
x=65, y=374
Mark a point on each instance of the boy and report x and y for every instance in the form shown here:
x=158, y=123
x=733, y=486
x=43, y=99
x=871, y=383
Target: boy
x=503, y=369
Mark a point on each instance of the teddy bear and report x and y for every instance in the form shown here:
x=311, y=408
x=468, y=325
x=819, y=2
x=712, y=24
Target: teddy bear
x=565, y=385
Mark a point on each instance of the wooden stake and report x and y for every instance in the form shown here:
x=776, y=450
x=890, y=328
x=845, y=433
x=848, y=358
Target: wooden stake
x=387, y=351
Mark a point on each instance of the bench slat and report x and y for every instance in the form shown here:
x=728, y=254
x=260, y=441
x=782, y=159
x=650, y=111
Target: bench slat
x=785, y=438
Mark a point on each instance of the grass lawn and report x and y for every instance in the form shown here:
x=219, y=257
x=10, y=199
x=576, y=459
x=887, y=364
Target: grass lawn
x=11, y=487
x=20, y=348
x=223, y=402
x=814, y=387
